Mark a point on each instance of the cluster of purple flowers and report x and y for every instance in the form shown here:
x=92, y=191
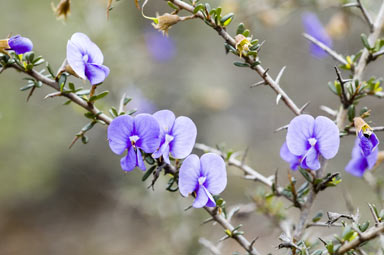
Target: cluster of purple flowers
x=308, y=139
x=162, y=135
x=364, y=153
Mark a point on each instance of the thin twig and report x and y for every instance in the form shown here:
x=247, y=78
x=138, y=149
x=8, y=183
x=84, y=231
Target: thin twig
x=258, y=68
x=366, y=15
x=328, y=50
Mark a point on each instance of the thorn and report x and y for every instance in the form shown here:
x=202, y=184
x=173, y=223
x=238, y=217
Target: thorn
x=281, y=128
x=187, y=208
x=73, y=141
x=258, y=84
x=54, y=94
x=244, y=156
x=280, y=74
x=30, y=93
x=350, y=5
x=278, y=99
x=328, y=110
x=265, y=72
x=304, y=106
x=371, y=208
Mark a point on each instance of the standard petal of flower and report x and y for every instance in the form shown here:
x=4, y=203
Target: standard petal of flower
x=311, y=160
x=213, y=167
x=119, y=132
x=286, y=155
x=139, y=160
x=201, y=198
x=327, y=136
x=20, y=44
x=189, y=174
x=75, y=59
x=357, y=166
x=148, y=130
x=184, y=132
x=96, y=74
x=300, y=129
x=166, y=119
x=81, y=41
x=128, y=163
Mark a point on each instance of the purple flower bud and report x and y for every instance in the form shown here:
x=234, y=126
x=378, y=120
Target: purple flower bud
x=177, y=136
x=133, y=134
x=20, y=44
x=314, y=28
x=86, y=59
x=364, y=154
x=160, y=47
x=205, y=177
x=308, y=139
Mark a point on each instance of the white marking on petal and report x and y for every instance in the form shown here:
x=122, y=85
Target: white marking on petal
x=312, y=141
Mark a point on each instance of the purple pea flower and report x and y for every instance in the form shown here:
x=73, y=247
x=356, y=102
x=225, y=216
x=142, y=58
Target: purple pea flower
x=205, y=177
x=177, y=136
x=86, y=59
x=364, y=154
x=308, y=139
x=133, y=134
x=20, y=44
x=161, y=48
x=314, y=28
x=292, y=159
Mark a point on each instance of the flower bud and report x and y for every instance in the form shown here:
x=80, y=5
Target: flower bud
x=63, y=9
x=20, y=44
x=163, y=23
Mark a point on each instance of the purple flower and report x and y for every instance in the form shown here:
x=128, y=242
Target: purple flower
x=308, y=139
x=86, y=59
x=313, y=27
x=205, y=177
x=286, y=155
x=160, y=47
x=20, y=44
x=134, y=135
x=177, y=136
x=364, y=154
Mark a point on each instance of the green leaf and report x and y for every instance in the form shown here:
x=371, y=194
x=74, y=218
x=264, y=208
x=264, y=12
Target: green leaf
x=50, y=70
x=172, y=5
x=246, y=32
x=88, y=127
x=127, y=100
x=240, y=64
x=99, y=96
x=198, y=8
x=227, y=19
x=306, y=175
x=113, y=112
x=364, y=226
x=83, y=92
x=364, y=39
x=148, y=173
x=84, y=139
x=31, y=85
x=62, y=81
x=71, y=86
x=318, y=216
x=351, y=112
x=256, y=63
x=240, y=28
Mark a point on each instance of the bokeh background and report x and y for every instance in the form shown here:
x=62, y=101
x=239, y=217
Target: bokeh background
x=78, y=201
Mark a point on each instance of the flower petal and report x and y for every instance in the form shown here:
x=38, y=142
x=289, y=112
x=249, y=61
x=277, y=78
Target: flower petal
x=166, y=119
x=374, y=140
x=75, y=59
x=139, y=160
x=20, y=44
x=372, y=158
x=128, y=163
x=148, y=130
x=311, y=160
x=300, y=129
x=357, y=166
x=286, y=155
x=119, y=132
x=327, y=136
x=213, y=167
x=201, y=198
x=95, y=73
x=211, y=201
x=189, y=174
x=87, y=47
x=184, y=132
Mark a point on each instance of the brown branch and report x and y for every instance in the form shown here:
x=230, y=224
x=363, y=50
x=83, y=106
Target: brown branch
x=258, y=68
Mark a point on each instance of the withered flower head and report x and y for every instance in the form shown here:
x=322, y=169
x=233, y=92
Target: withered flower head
x=242, y=43
x=63, y=9
x=163, y=23
x=362, y=126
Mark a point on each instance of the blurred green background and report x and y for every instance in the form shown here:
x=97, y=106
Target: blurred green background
x=59, y=201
